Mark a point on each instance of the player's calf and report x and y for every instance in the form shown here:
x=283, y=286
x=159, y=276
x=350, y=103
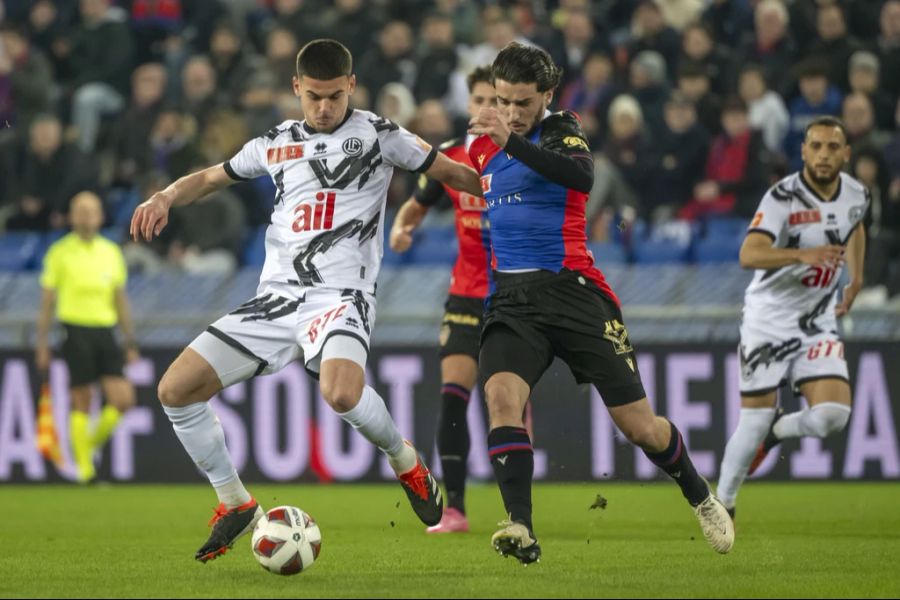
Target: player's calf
x=675, y=461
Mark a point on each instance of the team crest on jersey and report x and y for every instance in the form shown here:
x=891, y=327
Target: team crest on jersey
x=573, y=141
x=352, y=146
x=804, y=217
x=617, y=335
x=284, y=153
x=486, y=181
x=856, y=214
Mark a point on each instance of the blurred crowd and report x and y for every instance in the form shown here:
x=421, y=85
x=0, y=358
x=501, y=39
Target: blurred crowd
x=694, y=107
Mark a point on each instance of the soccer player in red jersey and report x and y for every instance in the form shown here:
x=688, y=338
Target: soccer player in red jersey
x=461, y=326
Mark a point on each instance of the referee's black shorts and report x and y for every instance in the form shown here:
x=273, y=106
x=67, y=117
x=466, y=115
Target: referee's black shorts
x=91, y=353
x=535, y=316
x=461, y=326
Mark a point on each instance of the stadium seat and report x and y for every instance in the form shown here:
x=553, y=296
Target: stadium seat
x=717, y=249
x=651, y=251
x=46, y=240
x=116, y=233
x=725, y=227
x=606, y=253
x=18, y=250
x=254, y=254
x=121, y=204
x=433, y=250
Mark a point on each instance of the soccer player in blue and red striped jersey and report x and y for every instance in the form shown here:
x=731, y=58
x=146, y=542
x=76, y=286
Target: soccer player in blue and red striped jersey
x=464, y=310
x=536, y=172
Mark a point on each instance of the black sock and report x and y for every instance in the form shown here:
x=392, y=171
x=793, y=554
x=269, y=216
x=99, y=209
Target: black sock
x=453, y=443
x=675, y=461
x=513, y=460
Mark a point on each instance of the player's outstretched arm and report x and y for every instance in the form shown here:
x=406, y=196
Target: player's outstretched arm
x=456, y=175
x=151, y=217
x=856, y=253
x=408, y=219
x=758, y=252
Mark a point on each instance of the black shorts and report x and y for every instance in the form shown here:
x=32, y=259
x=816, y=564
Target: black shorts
x=91, y=353
x=533, y=317
x=461, y=327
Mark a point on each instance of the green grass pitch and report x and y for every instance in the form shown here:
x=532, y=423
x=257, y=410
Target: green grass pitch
x=794, y=539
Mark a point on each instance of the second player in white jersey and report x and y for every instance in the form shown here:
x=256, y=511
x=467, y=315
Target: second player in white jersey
x=808, y=226
x=789, y=327
x=331, y=190
x=801, y=298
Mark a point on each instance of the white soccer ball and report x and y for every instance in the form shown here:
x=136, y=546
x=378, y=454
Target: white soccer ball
x=286, y=540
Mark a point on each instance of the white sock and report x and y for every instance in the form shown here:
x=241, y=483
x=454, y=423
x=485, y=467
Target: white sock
x=202, y=436
x=819, y=421
x=751, y=431
x=371, y=418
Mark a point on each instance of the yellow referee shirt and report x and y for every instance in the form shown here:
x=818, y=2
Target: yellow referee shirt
x=85, y=276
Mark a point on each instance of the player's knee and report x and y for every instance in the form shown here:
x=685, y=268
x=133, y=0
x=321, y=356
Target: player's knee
x=829, y=418
x=173, y=392
x=166, y=392
x=339, y=396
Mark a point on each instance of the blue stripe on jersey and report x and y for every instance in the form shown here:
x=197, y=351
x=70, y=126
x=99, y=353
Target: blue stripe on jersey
x=526, y=212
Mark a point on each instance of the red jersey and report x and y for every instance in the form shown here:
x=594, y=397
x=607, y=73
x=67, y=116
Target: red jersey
x=473, y=264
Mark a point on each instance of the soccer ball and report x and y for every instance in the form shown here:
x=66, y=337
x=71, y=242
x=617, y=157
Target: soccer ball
x=286, y=540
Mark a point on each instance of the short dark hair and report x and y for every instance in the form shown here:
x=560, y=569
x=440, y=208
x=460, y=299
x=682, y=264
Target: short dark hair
x=481, y=74
x=324, y=59
x=812, y=67
x=690, y=70
x=14, y=28
x=755, y=68
x=701, y=26
x=518, y=63
x=734, y=103
x=827, y=121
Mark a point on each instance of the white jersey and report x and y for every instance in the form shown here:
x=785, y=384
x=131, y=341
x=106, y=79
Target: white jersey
x=326, y=228
x=800, y=299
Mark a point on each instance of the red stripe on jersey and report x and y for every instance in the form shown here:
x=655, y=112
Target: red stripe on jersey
x=481, y=152
x=578, y=258
x=470, y=273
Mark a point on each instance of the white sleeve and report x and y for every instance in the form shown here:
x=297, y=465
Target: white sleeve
x=249, y=162
x=403, y=149
x=773, y=214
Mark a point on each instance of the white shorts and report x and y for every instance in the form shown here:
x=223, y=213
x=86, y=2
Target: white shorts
x=265, y=334
x=769, y=361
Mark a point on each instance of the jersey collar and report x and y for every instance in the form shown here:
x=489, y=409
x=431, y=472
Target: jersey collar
x=809, y=188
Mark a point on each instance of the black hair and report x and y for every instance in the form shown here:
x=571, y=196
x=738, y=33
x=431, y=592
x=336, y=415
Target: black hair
x=827, y=121
x=480, y=74
x=813, y=67
x=325, y=60
x=691, y=70
x=734, y=103
x=518, y=63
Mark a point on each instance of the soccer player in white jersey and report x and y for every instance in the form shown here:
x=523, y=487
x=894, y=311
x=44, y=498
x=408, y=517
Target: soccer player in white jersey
x=808, y=225
x=316, y=295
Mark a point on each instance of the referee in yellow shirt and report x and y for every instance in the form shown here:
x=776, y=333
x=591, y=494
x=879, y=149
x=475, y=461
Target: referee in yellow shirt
x=84, y=276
